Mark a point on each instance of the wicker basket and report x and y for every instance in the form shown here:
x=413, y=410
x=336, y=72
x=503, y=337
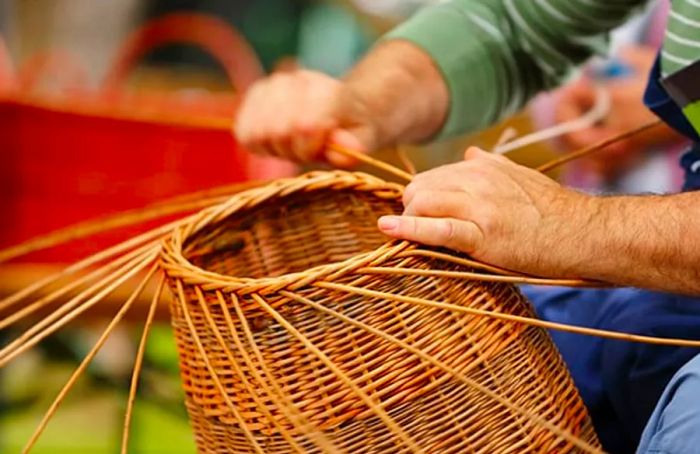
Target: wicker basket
x=69, y=152
x=301, y=329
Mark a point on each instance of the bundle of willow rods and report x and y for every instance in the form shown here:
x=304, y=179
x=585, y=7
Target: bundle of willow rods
x=300, y=328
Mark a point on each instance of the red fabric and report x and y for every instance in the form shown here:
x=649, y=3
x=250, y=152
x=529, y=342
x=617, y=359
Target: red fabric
x=83, y=155
x=59, y=168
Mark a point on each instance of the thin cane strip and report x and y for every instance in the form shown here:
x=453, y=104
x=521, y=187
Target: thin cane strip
x=600, y=109
x=606, y=334
x=598, y=146
x=26, y=341
x=378, y=410
x=483, y=359
x=362, y=157
x=148, y=238
x=506, y=136
x=446, y=368
x=101, y=225
x=405, y=160
x=359, y=393
x=139, y=262
x=87, y=360
x=319, y=438
x=458, y=261
x=480, y=277
x=205, y=357
x=537, y=410
x=48, y=299
x=285, y=408
x=138, y=363
x=213, y=194
x=288, y=411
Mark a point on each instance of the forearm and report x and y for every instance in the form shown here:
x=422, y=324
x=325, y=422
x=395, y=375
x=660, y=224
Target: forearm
x=494, y=55
x=642, y=241
x=403, y=91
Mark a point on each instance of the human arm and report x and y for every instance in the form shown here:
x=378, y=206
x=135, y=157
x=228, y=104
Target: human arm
x=454, y=67
x=626, y=112
x=394, y=94
x=514, y=217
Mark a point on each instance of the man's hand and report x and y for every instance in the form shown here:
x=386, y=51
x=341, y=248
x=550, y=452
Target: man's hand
x=396, y=94
x=294, y=114
x=626, y=112
x=514, y=217
x=498, y=212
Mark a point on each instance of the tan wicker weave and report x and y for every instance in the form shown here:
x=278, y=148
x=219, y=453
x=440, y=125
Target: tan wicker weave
x=293, y=336
x=301, y=329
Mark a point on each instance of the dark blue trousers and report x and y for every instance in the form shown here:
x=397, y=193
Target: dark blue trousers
x=619, y=381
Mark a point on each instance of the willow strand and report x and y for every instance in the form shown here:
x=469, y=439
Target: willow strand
x=377, y=409
x=180, y=298
x=459, y=261
x=86, y=361
x=553, y=164
x=101, y=225
x=513, y=318
x=138, y=363
x=364, y=158
x=286, y=408
x=150, y=237
x=479, y=276
x=74, y=284
x=40, y=331
x=563, y=433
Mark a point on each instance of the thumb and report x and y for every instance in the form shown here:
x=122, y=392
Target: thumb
x=462, y=236
x=354, y=140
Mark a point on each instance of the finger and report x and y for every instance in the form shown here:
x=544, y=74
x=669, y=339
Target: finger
x=463, y=236
x=574, y=100
x=282, y=147
x=278, y=112
x=257, y=126
x=442, y=204
x=347, y=140
x=307, y=145
x=472, y=153
x=313, y=124
x=247, y=110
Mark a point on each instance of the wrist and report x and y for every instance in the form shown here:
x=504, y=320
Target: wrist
x=619, y=245
x=403, y=94
x=568, y=243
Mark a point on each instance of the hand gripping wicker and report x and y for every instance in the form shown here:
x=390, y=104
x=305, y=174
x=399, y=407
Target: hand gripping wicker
x=301, y=329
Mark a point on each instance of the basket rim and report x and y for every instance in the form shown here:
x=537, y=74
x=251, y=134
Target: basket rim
x=176, y=265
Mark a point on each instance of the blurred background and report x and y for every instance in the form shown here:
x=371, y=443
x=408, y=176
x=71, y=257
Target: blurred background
x=101, y=103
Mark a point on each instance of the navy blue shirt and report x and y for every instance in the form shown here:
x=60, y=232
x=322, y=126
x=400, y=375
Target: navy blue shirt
x=658, y=101
x=621, y=382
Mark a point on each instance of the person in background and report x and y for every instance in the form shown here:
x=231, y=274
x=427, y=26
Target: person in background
x=620, y=383
x=461, y=66
x=647, y=163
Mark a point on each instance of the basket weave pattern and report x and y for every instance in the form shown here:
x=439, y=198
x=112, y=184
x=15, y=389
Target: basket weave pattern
x=276, y=269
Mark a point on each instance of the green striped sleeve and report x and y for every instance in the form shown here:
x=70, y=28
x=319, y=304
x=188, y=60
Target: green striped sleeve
x=496, y=54
x=682, y=42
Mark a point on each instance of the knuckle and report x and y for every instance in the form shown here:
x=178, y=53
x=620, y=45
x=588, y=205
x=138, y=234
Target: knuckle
x=414, y=228
x=448, y=232
x=489, y=221
x=422, y=202
x=408, y=193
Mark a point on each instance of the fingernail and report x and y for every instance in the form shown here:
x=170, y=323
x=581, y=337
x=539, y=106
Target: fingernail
x=389, y=223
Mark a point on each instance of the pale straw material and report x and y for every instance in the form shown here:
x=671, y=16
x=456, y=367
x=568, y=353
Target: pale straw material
x=301, y=328
x=283, y=347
